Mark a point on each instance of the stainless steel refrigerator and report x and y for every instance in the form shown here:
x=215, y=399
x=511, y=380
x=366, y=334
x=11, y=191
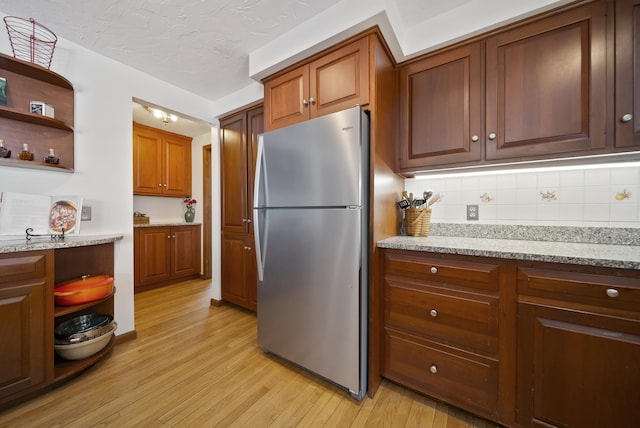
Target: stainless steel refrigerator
x=311, y=231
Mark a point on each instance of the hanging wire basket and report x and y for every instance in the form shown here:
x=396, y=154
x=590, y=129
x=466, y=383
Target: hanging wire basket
x=31, y=41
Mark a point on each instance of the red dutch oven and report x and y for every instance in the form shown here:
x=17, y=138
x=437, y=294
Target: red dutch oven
x=83, y=290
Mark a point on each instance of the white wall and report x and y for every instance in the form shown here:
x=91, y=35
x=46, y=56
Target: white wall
x=104, y=90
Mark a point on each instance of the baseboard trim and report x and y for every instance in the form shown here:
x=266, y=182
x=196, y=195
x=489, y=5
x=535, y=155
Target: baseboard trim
x=125, y=337
x=217, y=303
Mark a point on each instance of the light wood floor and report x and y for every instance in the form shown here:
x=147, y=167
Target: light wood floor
x=193, y=365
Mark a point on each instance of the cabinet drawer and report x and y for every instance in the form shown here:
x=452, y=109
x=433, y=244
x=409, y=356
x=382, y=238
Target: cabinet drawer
x=460, y=319
x=22, y=268
x=449, y=374
x=444, y=272
x=607, y=291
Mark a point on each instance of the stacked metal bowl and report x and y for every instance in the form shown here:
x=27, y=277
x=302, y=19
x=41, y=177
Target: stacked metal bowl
x=83, y=336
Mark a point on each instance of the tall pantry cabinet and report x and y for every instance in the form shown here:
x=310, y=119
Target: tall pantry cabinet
x=238, y=150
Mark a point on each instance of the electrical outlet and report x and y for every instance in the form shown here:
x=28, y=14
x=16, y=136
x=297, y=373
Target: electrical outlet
x=86, y=213
x=473, y=212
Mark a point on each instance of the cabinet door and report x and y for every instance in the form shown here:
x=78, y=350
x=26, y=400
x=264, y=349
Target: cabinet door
x=23, y=324
x=286, y=99
x=627, y=116
x=185, y=251
x=340, y=79
x=255, y=126
x=233, y=159
x=577, y=369
x=153, y=255
x=239, y=277
x=177, y=166
x=440, y=106
x=147, y=162
x=546, y=86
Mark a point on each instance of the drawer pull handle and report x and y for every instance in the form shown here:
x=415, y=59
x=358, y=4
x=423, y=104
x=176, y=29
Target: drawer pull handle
x=434, y=269
x=612, y=292
x=433, y=313
x=433, y=369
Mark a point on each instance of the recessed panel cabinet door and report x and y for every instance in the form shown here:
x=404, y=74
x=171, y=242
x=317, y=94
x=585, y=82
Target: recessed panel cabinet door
x=627, y=116
x=239, y=276
x=546, y=86
x=147, y=157
x=23, y=325
x=340, y=79
x=177, y=164
x=286, y=98
x=185, y=247
x=441, y=109
x=577, y=369
x=233, y=174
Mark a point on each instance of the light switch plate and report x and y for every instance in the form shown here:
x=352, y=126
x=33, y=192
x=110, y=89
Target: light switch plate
x=86, y=213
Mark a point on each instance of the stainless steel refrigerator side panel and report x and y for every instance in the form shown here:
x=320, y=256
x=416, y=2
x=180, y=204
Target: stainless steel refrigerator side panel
x=309, y=297
x=315, y=163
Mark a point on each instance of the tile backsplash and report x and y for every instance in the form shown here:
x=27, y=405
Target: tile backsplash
x=590, y=197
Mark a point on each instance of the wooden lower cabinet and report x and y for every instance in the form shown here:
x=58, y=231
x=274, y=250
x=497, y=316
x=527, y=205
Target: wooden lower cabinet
x=527, y=344
x=165, y=255
x=441, y=328
x=578, y=347
x=28, y=316
x=25, y=330
x=239, y=276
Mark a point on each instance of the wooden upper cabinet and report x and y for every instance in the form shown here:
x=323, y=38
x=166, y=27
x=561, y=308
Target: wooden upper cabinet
x=332, y=82
x=340, y=79
x=546, y=86
x=285, y=97
x=440, y=109
x=627, y=114
x=161, y=162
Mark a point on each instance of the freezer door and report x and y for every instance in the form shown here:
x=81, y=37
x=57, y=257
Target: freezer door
x=309, y=296
x=314, y=163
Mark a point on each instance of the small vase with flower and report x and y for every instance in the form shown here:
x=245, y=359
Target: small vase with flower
x=190, y=213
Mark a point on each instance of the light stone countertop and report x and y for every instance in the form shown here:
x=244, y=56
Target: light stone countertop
x=175, y=223
x=45, y=243
x=592, y=254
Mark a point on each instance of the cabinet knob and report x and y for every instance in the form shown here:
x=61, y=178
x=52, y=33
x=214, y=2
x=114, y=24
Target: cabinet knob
x=475, y=138
x=492, y=136
x=305, y=102
x=248, y=220
x=169, y=237
x=612, y=292
x=244, y=220
x=626, y=118
x=433, y=369
x=434, y=269
x=247, y=248
x=312, y=100
x=433, y=313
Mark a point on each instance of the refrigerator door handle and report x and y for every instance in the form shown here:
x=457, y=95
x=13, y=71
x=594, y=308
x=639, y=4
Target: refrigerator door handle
x=257, y=200
x=259, y=243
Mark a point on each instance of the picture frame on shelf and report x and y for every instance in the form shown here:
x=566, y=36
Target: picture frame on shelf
x=41, y=108
x=3, y=91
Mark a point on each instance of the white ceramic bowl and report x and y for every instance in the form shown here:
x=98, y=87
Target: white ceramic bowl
x=79, y=351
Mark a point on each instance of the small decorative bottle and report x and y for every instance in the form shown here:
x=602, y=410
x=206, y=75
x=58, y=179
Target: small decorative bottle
x=4, y=152
x=52, y=158
x=25, y=154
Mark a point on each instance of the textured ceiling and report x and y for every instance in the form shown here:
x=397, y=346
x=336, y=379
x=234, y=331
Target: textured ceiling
x=202, y=46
